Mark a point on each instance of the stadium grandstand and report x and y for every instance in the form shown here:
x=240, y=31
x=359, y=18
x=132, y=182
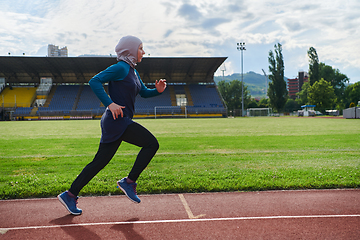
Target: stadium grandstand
x=37, y=88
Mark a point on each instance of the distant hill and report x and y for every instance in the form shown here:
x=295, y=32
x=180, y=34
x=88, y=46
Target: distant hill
x=255, y=82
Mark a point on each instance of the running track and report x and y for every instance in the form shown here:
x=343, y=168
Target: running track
x=303, y=214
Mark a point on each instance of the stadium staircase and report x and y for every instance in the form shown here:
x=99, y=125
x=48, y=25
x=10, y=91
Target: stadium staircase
x=106, y=90
x=172, y=95
x=78, y=97
x=188, y=96
x=50, y=96
x=34, y=111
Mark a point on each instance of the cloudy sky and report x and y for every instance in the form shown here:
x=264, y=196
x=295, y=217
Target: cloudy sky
x=191, y=28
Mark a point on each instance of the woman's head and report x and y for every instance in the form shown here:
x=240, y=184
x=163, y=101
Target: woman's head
x=129, y=49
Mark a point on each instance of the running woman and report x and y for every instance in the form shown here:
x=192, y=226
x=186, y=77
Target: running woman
x=124, y=84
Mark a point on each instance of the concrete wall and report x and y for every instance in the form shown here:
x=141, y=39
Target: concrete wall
x=353, y=112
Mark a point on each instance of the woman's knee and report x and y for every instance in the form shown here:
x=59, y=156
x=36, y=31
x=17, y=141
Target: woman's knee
x=154, y=144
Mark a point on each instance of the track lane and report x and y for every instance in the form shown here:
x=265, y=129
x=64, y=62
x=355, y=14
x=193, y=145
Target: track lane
x=304, y=214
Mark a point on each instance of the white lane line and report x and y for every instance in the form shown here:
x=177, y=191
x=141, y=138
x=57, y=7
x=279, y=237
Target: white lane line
x=187, y=208
x=4, y=230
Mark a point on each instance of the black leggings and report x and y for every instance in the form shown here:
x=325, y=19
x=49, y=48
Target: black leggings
x=134, y=134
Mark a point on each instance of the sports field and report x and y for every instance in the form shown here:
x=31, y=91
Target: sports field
x=42, y=158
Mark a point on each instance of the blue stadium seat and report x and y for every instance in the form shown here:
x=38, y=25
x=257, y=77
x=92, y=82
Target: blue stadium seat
x=88, y=100
x=205, y=100
x=204, y=96
x=63, y=99
x=147, y=105
x=21, y=111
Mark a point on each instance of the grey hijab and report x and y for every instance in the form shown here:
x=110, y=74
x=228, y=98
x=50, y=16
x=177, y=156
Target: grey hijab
x=127, y=50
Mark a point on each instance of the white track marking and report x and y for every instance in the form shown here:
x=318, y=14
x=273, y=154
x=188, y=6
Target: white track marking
x=187, y=208
x=4, y=230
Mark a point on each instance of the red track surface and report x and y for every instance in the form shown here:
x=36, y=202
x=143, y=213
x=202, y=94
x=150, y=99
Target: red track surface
x=310, y=214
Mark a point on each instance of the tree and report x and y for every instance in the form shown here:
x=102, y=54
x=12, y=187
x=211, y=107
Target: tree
x=303, y=94
x=253, y=104
x=322, y=95
x=318, y=70
x=313, y=66
x=291, y=105
x=264, y=103
x=277, y=91
x=352, y=94
x=231, y=93
x=336, y=78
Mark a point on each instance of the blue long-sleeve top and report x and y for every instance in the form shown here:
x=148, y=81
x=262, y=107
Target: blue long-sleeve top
x=124, y=84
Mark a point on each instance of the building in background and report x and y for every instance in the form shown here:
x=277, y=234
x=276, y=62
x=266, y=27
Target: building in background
x=54, y=51
x=295, y=85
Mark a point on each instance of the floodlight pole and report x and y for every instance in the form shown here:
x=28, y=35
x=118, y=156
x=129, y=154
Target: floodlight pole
x=266, y=83
x=241, y=48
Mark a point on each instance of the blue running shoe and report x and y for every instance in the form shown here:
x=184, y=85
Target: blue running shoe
x=69, y=203
x=129, y=189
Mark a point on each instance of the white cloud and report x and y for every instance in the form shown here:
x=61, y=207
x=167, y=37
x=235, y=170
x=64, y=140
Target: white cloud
x=191, y=28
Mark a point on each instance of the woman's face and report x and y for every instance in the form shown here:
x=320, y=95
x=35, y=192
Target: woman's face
x=141, y=53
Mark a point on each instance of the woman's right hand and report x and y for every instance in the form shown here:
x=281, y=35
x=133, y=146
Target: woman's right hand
x=116, y=110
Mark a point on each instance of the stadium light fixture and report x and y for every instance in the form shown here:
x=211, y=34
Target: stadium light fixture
x=241, y=48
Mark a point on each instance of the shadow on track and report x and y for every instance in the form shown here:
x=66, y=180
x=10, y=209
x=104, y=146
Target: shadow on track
x=76, y=232
x=128, y=230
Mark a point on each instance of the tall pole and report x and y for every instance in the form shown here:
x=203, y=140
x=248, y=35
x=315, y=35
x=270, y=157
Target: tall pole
x=266, y=83
x=241, y=47
x=242, y=84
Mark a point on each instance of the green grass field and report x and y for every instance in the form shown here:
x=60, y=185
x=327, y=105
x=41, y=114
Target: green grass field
x=42, y=158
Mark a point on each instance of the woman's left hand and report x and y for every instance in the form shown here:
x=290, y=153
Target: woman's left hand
x=160, y=85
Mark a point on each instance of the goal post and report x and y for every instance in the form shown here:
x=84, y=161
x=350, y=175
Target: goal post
x=257, y=112
x=170, y=111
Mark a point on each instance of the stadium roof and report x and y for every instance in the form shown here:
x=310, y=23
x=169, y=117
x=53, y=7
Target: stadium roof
x=81, y=69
